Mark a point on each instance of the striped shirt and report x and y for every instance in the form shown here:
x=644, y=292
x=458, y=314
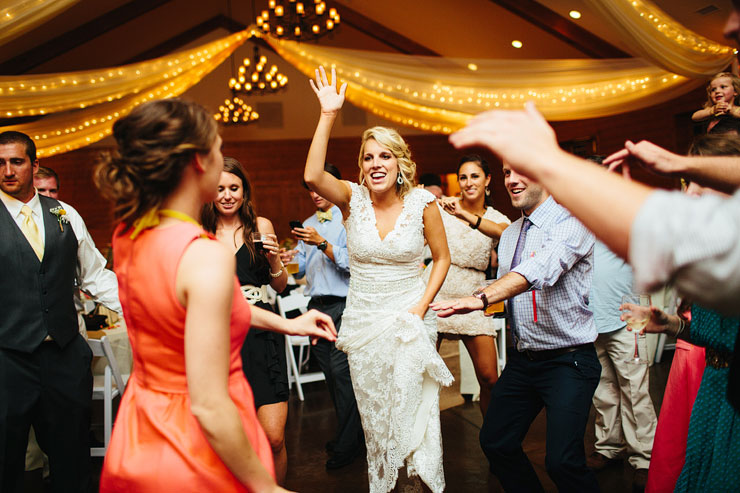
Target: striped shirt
x=557, y=261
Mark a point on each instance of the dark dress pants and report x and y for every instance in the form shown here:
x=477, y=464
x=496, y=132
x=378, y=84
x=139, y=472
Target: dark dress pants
x=51, y=389
x=334, y=365
x=565, y=386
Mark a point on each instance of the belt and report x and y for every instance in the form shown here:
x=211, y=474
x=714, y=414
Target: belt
x=326, y=300
x=254, y=294
x=546, y=354
x=717, y=359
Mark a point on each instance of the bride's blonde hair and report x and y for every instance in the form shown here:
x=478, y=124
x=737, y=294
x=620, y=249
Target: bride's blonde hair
x=392, y=140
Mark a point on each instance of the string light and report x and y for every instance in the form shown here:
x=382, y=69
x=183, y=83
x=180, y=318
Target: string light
x=293, y=19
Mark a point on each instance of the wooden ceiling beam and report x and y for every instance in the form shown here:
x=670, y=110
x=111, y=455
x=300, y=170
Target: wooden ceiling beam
x=378, y=31
x=562, y=28
x=78, y=36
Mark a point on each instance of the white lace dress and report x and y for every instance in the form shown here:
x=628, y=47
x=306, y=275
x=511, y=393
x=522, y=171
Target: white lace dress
x=470, y=255
x=395, y=368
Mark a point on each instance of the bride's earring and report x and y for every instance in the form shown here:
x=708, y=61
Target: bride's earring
x=362, y=181
x=399, y=180
x=488, y=191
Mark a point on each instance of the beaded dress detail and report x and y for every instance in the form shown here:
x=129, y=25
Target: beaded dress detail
x=395, y=368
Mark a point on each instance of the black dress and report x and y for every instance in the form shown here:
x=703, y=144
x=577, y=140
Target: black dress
x=263, y=352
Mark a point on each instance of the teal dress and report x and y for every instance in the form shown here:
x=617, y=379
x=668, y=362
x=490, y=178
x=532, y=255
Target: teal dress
x=713, y=444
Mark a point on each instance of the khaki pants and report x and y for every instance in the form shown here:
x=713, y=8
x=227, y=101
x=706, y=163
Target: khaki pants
x=625, y=416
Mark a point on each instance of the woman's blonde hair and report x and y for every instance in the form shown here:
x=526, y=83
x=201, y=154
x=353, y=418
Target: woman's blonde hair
x=392, y=140
x=735, y=85
x=156, y=142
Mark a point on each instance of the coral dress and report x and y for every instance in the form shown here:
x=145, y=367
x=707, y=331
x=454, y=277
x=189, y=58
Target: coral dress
x=157, y=444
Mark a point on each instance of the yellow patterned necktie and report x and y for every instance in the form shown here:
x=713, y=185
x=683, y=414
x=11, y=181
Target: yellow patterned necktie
x=324, y=216
x=31, y=231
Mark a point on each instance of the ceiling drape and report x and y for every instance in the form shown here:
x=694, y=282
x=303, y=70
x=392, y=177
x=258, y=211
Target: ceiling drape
x=79, y=108
x=655, y=36
x=20, y=16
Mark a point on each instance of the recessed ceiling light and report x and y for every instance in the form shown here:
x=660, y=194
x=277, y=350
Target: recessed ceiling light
x=517, y=44
x=473, y=67
x=574, y=14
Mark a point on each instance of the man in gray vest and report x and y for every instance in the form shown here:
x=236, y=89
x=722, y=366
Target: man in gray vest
x=45, y=377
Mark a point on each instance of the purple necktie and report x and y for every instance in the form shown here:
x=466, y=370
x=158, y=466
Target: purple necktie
x=514, y=262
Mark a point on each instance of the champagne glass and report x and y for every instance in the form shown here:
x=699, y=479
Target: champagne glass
x=636, y=312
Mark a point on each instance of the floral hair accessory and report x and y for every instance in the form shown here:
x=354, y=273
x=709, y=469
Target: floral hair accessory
x=61, y=216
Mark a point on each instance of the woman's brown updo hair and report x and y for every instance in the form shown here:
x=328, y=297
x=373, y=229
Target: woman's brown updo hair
x=156, y=142
x=209, y=215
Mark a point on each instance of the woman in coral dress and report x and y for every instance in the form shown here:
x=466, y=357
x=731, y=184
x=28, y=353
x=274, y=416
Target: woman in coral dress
x=187, y=420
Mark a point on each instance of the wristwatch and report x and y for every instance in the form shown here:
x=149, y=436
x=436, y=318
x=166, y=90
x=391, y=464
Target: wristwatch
x=478, y=293
x=322, y=246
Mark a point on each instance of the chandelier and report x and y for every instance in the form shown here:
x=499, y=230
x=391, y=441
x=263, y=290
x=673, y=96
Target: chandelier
x=292, y=19
x=259, y=79
x=235, y=111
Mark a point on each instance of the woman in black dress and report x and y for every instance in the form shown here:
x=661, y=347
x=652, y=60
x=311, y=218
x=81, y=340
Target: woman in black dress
x=232, y=219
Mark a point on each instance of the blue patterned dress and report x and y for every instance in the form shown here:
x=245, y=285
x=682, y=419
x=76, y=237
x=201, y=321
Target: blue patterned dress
x=713, y=445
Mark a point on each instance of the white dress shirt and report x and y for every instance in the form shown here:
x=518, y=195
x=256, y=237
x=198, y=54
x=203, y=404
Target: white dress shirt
x=693, y=242
x=92, y=276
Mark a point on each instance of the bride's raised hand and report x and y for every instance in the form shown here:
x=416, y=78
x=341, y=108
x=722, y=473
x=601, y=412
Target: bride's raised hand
x=330, y=100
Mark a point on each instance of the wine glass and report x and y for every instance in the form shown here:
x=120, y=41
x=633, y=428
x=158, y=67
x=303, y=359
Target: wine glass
x=636, y=312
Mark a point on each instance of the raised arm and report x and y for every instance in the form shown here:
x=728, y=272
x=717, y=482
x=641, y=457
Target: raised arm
x=204, y=285
x=321, y=182
x=278, y=275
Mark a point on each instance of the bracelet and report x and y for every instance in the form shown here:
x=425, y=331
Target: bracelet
x=278, y=273
x=681, y=326
x=477, y=223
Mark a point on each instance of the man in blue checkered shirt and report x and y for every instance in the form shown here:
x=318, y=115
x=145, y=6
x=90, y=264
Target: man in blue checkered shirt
x=545, y=264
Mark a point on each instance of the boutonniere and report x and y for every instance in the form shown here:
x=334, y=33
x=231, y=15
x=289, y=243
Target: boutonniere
x=61, y=216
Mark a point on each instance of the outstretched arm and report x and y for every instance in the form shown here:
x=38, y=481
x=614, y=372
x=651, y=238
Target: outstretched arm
x=321, y=182
x=525, y=141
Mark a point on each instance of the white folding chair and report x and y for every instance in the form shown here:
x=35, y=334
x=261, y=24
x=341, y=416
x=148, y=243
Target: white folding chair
x=106, y=387
x=297, y=301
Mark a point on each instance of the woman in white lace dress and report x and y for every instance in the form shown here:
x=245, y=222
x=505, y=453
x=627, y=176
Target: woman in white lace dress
x=387, y=331
x=473, y=228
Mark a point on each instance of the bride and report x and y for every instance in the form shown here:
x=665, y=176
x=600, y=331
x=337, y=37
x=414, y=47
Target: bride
x=387, y=333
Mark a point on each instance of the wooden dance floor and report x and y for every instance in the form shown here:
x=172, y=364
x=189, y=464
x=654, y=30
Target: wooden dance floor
x=311, y=424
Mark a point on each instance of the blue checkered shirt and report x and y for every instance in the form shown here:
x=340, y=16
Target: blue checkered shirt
x=557, y=260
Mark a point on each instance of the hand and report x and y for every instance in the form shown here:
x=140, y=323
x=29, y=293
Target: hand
x=308, y=235
x=313, y=324
x=523, y=139
x=721, y=108
x=451, y=205
x=646, y=154
x=270, y=245
x=330, y=101
x=657, y=323
x=287, y=255
x=419, y=311
x=451, y=307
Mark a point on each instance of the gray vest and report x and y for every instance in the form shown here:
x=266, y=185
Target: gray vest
x=37, y=297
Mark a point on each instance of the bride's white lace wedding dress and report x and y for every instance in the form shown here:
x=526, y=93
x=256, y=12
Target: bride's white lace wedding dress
x=395, y=368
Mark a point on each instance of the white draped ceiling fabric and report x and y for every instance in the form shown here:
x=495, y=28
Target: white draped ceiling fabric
x=79, y=108
x=431, y=93
x=20, y=16
x=655, y=36
x=441, y=94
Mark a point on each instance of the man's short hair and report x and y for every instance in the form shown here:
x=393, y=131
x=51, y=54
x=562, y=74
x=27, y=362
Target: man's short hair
x=13, y=137
x=329, y=168
x=44, y=172
x=430, y=179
